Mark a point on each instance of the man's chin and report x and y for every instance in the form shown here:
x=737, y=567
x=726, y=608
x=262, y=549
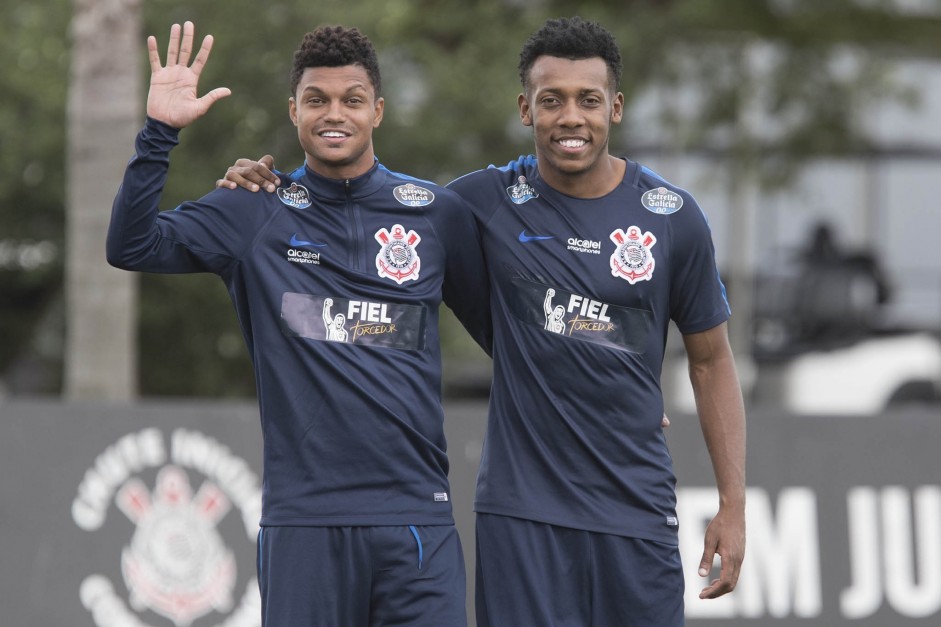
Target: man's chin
x=569, y=166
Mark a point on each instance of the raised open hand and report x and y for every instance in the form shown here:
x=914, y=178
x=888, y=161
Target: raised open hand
x=172, y=97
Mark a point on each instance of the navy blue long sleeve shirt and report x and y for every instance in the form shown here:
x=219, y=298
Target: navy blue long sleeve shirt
x=337, y=286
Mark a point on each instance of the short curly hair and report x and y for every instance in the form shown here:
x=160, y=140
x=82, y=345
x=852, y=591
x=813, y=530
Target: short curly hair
x=336, y=46
x=572, y=38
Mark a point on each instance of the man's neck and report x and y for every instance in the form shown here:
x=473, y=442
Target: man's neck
x=601, y=180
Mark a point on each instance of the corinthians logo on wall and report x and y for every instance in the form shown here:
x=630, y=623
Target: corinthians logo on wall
x=177, y=566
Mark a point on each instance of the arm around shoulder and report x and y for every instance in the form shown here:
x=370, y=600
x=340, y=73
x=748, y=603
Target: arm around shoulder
x=466, y=289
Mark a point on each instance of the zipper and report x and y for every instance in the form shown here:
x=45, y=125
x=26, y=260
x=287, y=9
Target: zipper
x=354, y=229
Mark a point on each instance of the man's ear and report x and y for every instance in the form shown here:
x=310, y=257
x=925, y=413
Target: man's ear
x=292, y=110
x=380, y=109
x=617, y=108
x=526, y=113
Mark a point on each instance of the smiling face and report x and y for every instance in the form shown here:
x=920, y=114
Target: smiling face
x=335, y=110
x=571, y=106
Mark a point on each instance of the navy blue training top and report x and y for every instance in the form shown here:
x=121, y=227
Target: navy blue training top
x=582, y=295
x=337, y=286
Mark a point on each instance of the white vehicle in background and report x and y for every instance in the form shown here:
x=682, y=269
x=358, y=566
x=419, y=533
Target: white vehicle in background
x=820, y=343
x=865, y=378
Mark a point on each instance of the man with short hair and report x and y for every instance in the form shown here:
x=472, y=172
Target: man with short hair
x=576, y=501
x=356, y=527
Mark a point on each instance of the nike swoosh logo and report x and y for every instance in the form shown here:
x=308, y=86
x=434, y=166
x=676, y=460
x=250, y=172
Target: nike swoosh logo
x=523, y=237
x=303, y=242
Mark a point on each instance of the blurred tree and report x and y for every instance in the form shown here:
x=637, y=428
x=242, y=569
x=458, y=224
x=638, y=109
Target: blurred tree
x=765, y=81
x=103, y=117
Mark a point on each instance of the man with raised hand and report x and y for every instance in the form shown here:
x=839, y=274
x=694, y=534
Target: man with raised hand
x=356, y=526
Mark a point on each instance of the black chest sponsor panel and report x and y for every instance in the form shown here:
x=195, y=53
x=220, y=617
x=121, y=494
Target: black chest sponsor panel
x=577, y=316
x=359, y=322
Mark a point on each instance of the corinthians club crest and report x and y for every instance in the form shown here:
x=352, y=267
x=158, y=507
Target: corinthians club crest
x=632, y=259
x=177, y=564
x=397, y=259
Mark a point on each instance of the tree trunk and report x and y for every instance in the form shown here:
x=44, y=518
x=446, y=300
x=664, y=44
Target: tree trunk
x=104, y=114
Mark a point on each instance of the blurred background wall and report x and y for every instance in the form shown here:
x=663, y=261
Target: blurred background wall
x=105, y=519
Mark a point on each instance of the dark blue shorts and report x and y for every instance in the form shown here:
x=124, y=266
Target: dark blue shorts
x=361, y=576
x=531, y=574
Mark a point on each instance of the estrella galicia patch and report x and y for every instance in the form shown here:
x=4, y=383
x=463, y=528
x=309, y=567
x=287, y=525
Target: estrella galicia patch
x=412, y=195
x=295, y=196
x=661, y=201
x=522, y=191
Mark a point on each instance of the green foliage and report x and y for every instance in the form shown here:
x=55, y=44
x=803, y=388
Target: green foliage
x=451, y=84
x=780, y=81
x=33, y=83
